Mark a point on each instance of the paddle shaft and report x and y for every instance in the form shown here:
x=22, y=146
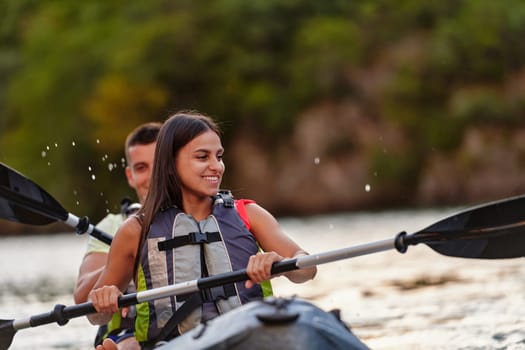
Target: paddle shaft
x=83, y=226
x=61, y=314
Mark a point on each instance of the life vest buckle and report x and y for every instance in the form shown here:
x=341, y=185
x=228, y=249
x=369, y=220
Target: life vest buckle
x=225, y=197
x=198, y=237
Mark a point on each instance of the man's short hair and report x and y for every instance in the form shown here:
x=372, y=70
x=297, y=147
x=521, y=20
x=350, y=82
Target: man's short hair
x=143, y=134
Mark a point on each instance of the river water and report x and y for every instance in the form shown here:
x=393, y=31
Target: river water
x=416, y=300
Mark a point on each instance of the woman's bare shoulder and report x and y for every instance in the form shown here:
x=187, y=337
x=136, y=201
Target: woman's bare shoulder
x=129, y=230
x=258, y=214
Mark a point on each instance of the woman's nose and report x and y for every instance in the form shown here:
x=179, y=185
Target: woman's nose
x=216, y=164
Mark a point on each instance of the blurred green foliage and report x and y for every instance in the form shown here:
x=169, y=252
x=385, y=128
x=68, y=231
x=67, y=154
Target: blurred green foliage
x=75, y=77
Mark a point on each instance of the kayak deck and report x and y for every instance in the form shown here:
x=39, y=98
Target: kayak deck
x=272, y=323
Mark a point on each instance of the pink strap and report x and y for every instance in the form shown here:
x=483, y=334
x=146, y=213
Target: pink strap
x=241, y=209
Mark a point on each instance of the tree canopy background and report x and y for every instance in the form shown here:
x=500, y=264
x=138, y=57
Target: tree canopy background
x=76, y=77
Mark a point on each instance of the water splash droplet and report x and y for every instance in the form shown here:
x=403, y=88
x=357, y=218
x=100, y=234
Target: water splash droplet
x=110, y=166
x=317, y=160
x=98, y=141
x=90, y=168
x=44, y=154
x=93, y=177
x=368, y=188
x=73, y=144
x=56, y=145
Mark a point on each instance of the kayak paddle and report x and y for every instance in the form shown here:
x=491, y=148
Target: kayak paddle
x=21, y=200
x=491, y=231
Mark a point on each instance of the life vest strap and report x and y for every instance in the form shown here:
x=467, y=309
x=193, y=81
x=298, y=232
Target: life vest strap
x=191, y=238
x=191, y=302
x=170, y=330
x=217, y=293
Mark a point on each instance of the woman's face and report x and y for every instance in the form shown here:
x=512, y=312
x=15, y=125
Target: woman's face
x=200, y=166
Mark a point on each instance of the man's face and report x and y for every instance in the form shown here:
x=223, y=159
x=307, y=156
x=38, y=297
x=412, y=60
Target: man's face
x=140, y=166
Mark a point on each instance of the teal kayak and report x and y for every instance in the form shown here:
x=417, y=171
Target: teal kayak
x=273, y=324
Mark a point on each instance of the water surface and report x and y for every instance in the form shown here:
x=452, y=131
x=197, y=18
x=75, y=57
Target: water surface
x=417, y=300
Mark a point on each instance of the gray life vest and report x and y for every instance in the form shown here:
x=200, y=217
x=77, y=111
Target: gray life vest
x=179, y=249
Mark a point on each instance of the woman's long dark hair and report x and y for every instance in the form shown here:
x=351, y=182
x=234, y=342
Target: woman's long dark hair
x=165, y=188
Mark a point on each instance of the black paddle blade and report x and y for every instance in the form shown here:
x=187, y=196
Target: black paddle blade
x=491, y=231
x=6, y=334
x=21, y=200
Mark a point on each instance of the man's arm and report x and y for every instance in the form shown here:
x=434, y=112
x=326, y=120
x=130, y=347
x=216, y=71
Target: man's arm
x=90, y=269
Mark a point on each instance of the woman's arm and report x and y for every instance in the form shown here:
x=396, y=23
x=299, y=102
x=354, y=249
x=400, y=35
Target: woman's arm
x=117, y=273
x=276, y=245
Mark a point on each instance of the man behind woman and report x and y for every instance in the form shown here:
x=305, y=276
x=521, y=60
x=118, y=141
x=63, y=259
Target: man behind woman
x=139, y=149
x=185, y=230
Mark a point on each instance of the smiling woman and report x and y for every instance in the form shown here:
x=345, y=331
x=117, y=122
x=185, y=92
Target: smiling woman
x=188, y=229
